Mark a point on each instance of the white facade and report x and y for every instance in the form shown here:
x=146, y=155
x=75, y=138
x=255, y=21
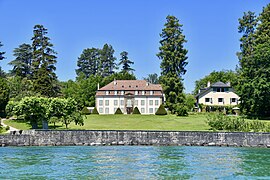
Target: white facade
x=146, y=105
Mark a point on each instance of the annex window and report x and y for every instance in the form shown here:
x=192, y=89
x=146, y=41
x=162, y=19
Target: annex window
x=156, y=102
x=115, y=102
x=233, y=100
x=106, y=102
x=142, y=102
x=151, y=102
x=220, y=100
x=151, y=110
x=100, y=102
x=207, y=100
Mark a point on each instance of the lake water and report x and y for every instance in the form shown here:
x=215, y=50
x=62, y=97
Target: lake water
x=134, y=162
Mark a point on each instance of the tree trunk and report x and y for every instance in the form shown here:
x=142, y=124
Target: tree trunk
x=45, y=124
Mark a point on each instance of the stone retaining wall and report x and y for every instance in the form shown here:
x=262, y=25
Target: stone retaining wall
x=108, y=137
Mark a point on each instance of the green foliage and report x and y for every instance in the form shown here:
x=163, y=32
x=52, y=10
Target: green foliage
x=230, y=123
x=126, y=63
x=173, y=58
x=23, y=61
x=216, y=76
x=44, y=60
x=85, y=111
x=118, y=111
x=161, y=110
x=95, y=111
x=152, y=78
x=1, y=53
x=41, y=110
x=4, y=93
x=94, y=61
x=254, y=64
x=190, y=101
x=7, y=128
x=136, y=111
x=181, y=110
x=216, y=108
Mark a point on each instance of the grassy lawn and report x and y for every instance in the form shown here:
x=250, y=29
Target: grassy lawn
x=133, y=122
x=18, y=124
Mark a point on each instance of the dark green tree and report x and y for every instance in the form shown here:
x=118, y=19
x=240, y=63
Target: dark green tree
x=89, y=62
x=216, y=76
x=126, y=63
x=107, y=61
x=254, y=63
x=2, y=73
x=23, y=61
x=4, y=94
x=173, y=58
x=152, y=78
x=44, y=60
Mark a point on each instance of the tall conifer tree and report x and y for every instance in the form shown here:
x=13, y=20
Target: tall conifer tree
x=173, y=58
x=44, y=60
x=107, y=61
x=126, y=63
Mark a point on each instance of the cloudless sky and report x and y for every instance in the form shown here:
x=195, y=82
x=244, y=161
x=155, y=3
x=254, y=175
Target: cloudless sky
x=210, y=27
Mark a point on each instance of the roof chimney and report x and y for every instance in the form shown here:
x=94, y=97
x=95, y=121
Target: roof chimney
x=114, y=82
x=147, y=83
x=208, y=84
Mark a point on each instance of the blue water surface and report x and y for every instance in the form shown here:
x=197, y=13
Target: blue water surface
x=134, y=162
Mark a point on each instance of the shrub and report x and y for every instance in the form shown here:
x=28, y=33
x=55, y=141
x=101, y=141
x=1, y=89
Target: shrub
x=161, y=110
x=7, y=128
x=85, y=111
x=136, y=111
x=181, y=110
x=95, y=111
x=118, y=111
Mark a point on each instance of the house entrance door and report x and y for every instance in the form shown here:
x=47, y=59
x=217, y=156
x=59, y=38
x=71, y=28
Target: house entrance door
x=129, y=106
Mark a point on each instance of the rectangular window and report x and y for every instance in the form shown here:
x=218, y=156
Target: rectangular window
x=151, y=92
x=100, y=103
x=151, y=110
x=207, y=100
x=107, y=92
x=215, y=89
x=106, y=102
x=233, y=100
x=143, y=92
x=142, y=102
x=106, y=110
x=136, y=103
x=220, y=100
x=151, y=102
x=122, y=102
x=226, y=89
x=115, y=102
x=115, y=92
x=100, y=110
x=142, y=110
x=122, y=92
x=156, y=102
x=136, y=92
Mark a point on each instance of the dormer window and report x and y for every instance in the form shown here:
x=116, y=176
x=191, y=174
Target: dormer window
x=136, y=92
x=122, y=92
x=143, y=92
x=151, y=92
x=115, y=92
x=107, y=92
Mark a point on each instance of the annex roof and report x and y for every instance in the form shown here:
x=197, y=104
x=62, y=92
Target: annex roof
x=214, y=85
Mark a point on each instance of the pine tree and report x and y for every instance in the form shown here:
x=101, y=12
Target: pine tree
x=107, y=61
x=173, y=62
x=2, y=73
x=44, y=60
x=126, y=63
x=23, y=61
x=89, y=62
x=254, y=64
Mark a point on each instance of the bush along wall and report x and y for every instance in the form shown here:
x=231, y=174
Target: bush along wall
x=85, y=111
x=95, y=111
x=221, y=109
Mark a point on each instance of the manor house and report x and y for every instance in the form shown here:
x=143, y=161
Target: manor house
x=128, y=94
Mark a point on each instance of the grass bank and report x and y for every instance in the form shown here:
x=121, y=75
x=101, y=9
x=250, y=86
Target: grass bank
x=194, y=122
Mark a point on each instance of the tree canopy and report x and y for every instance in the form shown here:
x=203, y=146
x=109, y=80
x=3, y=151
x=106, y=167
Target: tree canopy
x=126, y=63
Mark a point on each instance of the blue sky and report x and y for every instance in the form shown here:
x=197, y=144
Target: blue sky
x=210, y=27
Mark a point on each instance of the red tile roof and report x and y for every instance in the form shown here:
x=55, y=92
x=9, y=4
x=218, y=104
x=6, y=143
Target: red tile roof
x=127, y=85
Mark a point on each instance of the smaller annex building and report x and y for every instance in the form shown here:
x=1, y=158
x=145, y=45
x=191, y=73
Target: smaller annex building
x=128, y=94
x=219, y=93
